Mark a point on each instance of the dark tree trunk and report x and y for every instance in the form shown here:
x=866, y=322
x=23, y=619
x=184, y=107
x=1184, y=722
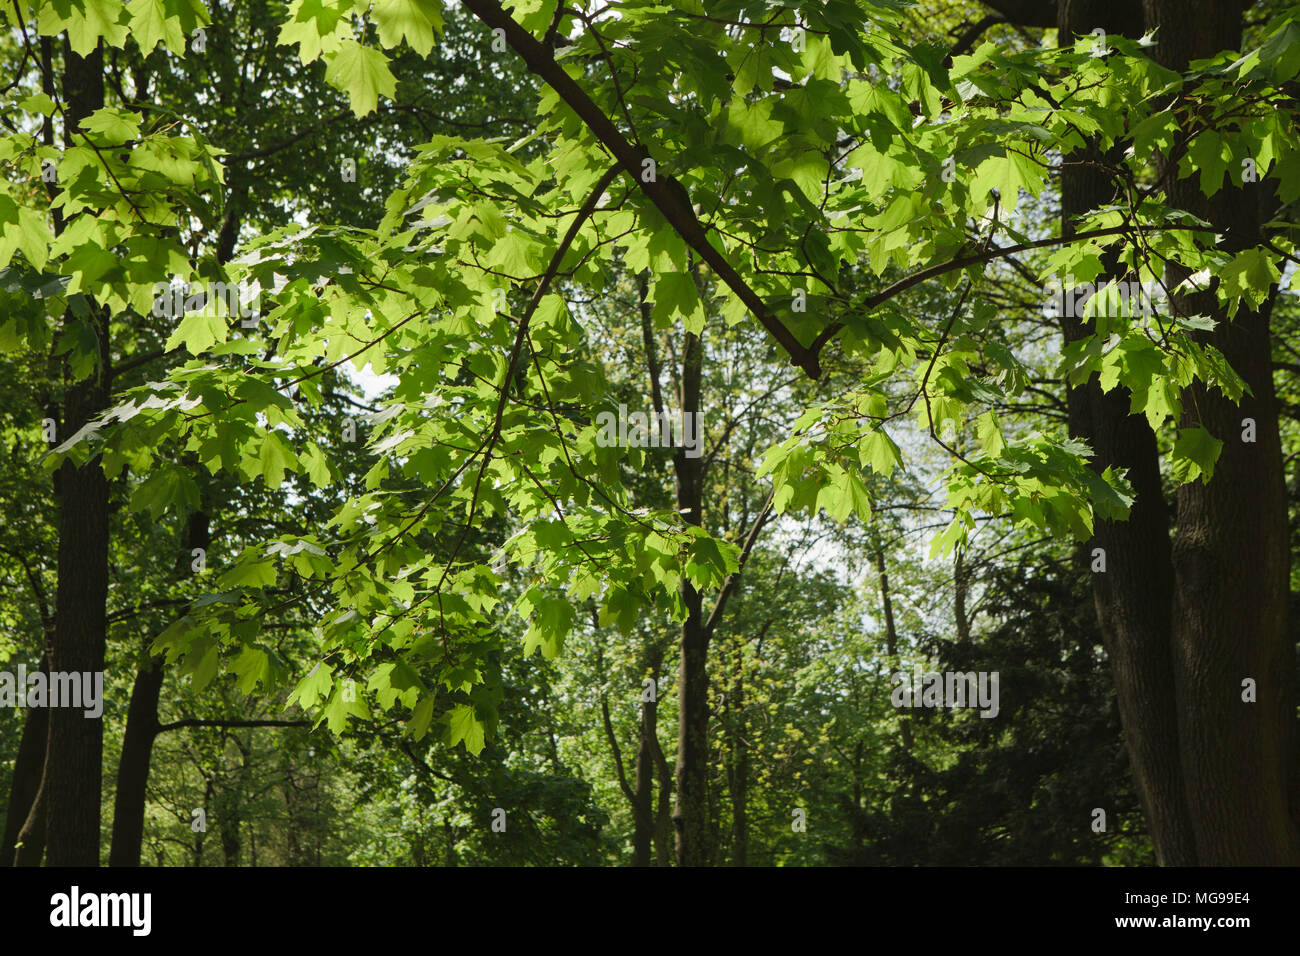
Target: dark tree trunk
x=31, y=837
x=133, y=769
x=664, y=851
x=650, y=756
x=647, y=742
x=228, y=826
x=200, y=834
x=229, y=799
x=738, y=768
x=1133, y=596
x=74, y=754
x=960, y=593
x=1186, y=624
x=1230, y=555
x=29, y=765
x=691, y=814
x=142, y=728
x=891, y=637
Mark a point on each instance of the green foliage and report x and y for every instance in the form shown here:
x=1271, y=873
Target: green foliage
x=865, y=204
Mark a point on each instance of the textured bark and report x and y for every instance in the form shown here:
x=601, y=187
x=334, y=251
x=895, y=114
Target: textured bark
x=891, y=636
x=228, y=827
x=643, y=810
x=142, y=728
x=73, y=758
x=29, y=765
x=1230, y=555
x=643, y=799
x=691, y=813
x=652, y=835
x=1134, y=603
x=960, y=593
x=31, y=836
x=1185, y=624
x=1230, y=624
x=133, y=768
x=1133, y=596
x=738, y=768
x=200, y=834
x=664, y=850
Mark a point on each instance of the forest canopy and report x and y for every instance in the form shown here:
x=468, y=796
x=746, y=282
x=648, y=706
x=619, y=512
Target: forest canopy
x=649, y=432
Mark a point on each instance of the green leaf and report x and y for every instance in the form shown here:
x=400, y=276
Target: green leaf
x=676, y=292
x=276, y=458
x=37, y=103
x=416, y=20
x=1249, y=275
x=33, y=236
x=989, y=434
x=198, y=331
x=313, y=687
x=162, y=488
x=150, y=26
x=421, y=717
x=463, y=726
x=317, y=26
x=362, y=73
x=1210, y=154
x=1195, y=453
x=253, y=665
x=201, y=663
x=86, y=22
x=316, y=466
x=878, y=450
x=112, y=127
x=254, y=573
x=339, y=709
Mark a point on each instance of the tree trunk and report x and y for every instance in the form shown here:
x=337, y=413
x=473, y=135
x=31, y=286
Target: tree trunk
x=142, y=728
x=29, y=766
x=30, y=845
x=133, y=768
x=1133, y=595
x=25, y=794
x=691, y=814
x=738, y=769
x=74, y=755
x=960, y=592
x=201, y=833
x=891, y=636
x=1230, y=555
x=664, y=850
x=647, y=741
x=1185, y=625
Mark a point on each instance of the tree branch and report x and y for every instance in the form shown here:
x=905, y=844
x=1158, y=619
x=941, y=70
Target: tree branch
x=618, y=754
x=987, y=255
x=970, y=35
x=667, y=194
x=730, y=584
x=1025, y=13
x=191, y=722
